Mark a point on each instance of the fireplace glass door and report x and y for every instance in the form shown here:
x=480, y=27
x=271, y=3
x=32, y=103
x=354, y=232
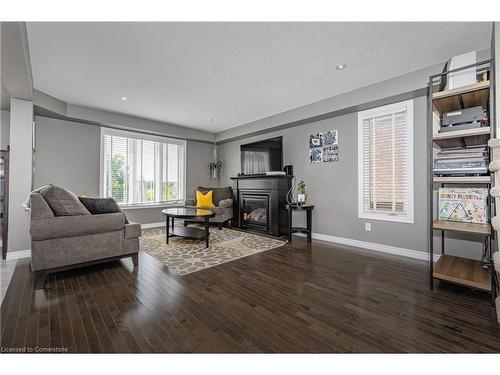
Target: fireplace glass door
x=255, y=211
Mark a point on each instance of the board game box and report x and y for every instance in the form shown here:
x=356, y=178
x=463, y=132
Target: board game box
x=468, y=205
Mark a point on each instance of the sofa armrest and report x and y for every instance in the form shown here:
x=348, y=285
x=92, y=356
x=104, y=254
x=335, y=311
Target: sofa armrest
x=72, y=226
x=226, y=203
x=39, y=208
x=132, y=230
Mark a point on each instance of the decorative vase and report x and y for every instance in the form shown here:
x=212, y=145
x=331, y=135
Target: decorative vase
x=301, y=198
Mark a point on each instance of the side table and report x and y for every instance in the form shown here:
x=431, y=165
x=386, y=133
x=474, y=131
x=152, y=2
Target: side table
x=308, y=229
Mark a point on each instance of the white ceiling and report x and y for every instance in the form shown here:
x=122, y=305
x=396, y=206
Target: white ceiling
x=235, y=73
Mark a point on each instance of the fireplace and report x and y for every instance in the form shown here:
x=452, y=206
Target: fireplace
x=255, y=211
x=260, y=203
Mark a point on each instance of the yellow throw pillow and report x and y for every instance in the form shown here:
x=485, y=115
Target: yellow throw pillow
x=204, y=200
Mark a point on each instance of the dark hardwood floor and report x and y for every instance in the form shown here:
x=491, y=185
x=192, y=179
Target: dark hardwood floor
x=298, y=298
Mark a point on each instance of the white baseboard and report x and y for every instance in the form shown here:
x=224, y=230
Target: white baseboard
x=153, y=225
x=18, y=254
x=372, y=246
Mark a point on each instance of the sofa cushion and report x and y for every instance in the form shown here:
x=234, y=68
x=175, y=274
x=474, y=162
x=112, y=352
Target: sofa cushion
x=132, y=230
x=73, y=226
x=218, y=193
x=99, y=206
x=63, y=202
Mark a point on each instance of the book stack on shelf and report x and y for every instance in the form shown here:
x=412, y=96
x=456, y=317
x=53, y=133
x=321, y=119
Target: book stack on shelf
x=459, y=123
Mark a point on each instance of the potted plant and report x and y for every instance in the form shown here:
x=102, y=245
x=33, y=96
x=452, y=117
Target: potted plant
x=214, y=168
x=301, y=193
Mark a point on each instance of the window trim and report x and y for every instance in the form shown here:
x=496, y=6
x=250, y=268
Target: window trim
x=148, y=137
x=380, y=111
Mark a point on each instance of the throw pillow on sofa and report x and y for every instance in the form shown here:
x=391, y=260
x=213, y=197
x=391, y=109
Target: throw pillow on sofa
x=204, y=200
x=63, y=202
x=218, y=193
x=99, y=206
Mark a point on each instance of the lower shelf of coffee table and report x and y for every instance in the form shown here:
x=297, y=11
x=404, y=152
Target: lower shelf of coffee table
x=187, y=232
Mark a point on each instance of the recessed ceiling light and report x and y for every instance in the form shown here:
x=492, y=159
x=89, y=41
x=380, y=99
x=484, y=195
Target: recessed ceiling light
x=124, y=98
x=209, y=119
x=341, y=66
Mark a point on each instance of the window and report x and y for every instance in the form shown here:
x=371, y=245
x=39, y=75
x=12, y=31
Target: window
x=385, y=163
x=140, y=170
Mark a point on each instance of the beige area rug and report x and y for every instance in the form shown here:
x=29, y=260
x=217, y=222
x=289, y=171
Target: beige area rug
x=185, y=256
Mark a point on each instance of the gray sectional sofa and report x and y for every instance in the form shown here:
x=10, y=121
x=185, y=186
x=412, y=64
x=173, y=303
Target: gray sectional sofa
x=74, y=237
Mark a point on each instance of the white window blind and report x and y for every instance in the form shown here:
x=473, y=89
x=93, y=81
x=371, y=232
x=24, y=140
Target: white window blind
x=386, y=163
x=138, y=169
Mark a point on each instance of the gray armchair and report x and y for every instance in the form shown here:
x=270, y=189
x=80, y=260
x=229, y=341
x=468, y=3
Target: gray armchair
x=64, y=242
x=223, y=201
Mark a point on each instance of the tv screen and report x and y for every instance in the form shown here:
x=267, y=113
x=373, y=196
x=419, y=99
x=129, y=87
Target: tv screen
x=263, y=156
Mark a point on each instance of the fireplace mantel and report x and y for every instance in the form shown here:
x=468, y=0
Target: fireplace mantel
x=274, y=189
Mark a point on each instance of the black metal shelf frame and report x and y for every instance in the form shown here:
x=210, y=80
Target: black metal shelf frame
x=488, y=66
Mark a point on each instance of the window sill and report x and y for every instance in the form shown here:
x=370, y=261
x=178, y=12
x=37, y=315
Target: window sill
x=152, y=205
x=387, y=217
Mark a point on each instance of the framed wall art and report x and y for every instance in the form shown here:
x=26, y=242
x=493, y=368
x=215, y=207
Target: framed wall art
x=323, y=147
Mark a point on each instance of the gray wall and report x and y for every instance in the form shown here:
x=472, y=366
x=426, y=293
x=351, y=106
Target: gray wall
x=20, y=178
x=333, y=187
x=68, y=154
x=4, y=129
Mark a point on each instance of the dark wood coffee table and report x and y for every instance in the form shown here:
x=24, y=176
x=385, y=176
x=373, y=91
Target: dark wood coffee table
x=187, y=232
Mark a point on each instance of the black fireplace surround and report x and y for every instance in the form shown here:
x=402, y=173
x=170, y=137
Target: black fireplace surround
x=260, y=203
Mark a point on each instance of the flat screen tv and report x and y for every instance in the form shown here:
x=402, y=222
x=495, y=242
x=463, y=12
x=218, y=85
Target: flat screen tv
x=263, y=156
